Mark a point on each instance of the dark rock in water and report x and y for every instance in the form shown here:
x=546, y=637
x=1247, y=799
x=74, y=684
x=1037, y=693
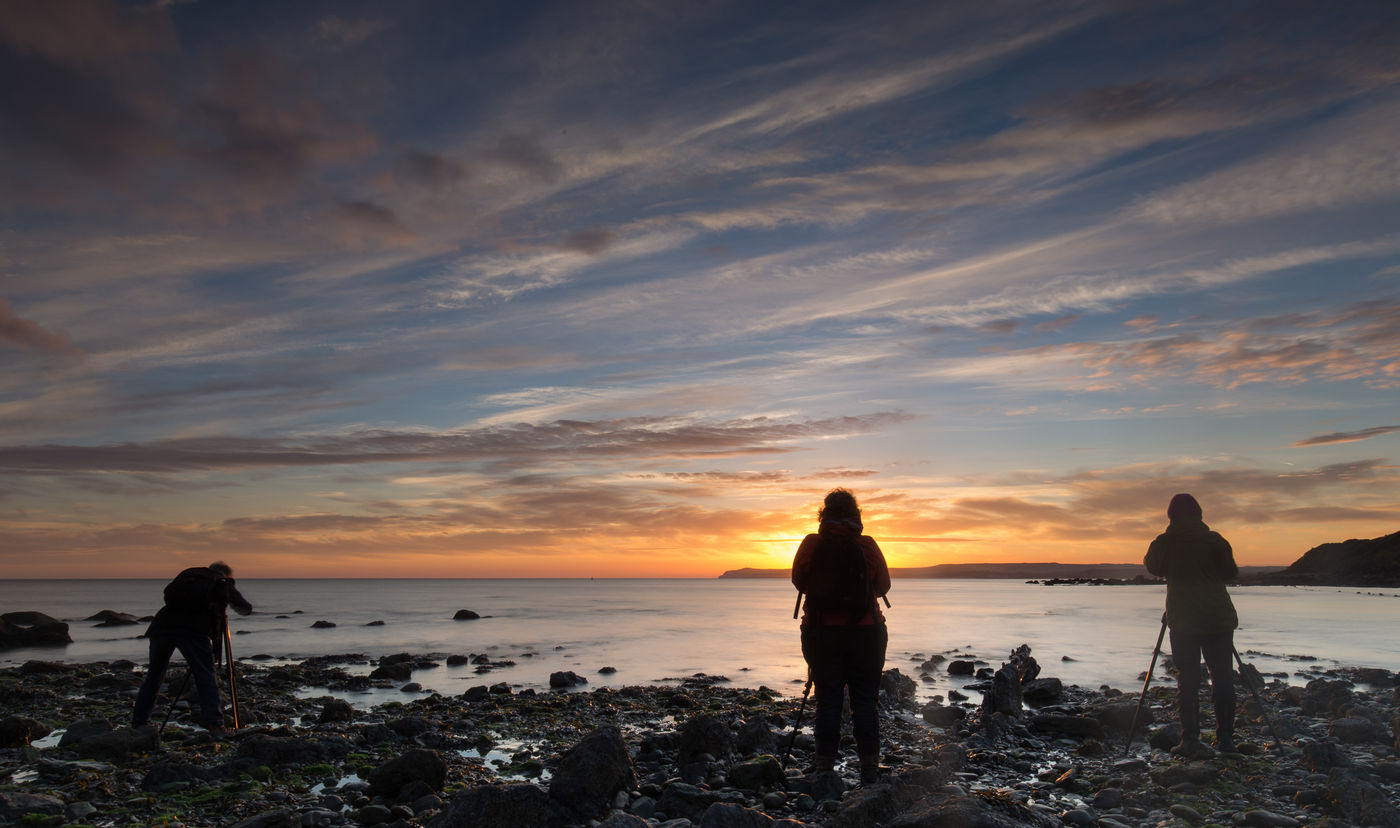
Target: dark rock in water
x=897, y=687
x=163, y=774
x=1005, y=695
x=681, y=799
x=753, y=775
x=18, y=731
x=465, y=615
x=323, y=625
x=417, y=765
x=410, y=727
x=32, y=629
x=400, y=671
x=1377, y=677
x=960, y=667
x=1360, y=801
x=336, y=710
x=112, y=618
x=83, y=730
x=496, y=806
x=500, y=688
x=478, y=692
x=591, y=772
x=411, y=687
x=285, y=750
x=375, y=624
x=731, y=815
x=457, y=660
x=704, y=734
x=1043, y=690
x=44, y=668
x=606, y=671
x=1322, y=696
x=565, y=679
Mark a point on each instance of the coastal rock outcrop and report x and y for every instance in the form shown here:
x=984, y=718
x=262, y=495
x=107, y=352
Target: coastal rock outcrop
x=32, y=629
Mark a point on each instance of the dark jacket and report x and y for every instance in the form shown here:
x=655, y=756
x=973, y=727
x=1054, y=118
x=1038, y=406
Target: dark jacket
x=173, y=621
x=1197, y=564
x=878, y=572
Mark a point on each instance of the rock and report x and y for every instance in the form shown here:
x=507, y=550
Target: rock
x=1081, y=726
x=1043, y=690
x=1377, y=677
x=118, y=744
x=162, y=774
x=1260, y=818
x=18, y=731
x=755, y=737
x=591, y=772
x=753, y=775
x=942, y=716
x=828, y=785
x=606, y=671
x=897, y=687
x=1108, y=799
x=375, y=623
x=323, y=625
x=465, y=615
x=624, y=821
x=960, y=667
x=281, y=818
x=400, y=671
x=15, y=805
x=1005, y=694
x=1324, y=697
x=703, y=734
x=336, y=710
x=1358, y=731
x=272, y=751
x=32, y=629
x=565, y=679
x=373, y=814
x=112, y=618
x=730, y=815
x=980, y=811
x=1359, y=801
x=1320, y=757
x=457, y=660
x=417, y=765
x=1079, y=816
x=681, y=799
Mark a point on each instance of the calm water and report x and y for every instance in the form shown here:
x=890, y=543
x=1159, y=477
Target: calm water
x=652, y=631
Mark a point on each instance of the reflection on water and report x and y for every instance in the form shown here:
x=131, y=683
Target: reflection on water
x=659, y=631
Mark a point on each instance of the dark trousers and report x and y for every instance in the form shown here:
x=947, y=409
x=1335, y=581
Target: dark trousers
x=1187, y=651
x=198, y=651
x=846, y=659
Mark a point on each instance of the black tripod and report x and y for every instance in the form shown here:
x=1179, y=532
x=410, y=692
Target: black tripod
x=227, y=653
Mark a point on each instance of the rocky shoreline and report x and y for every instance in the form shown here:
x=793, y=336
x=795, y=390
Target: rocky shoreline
x=695, y=754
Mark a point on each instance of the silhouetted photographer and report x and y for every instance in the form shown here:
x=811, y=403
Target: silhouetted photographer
x=843, y=572
x=193, y=621
x=1197, y=564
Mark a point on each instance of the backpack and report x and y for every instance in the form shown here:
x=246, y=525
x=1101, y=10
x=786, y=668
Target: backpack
x=194, y=591
x=839, y=579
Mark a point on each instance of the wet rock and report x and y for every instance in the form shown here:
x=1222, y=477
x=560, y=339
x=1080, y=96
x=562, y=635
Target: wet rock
x=15, y=805
x=32, y=629
x=18, y=731
x=961, y=667
x=1005, y=694
x=1358, y=731
x=565, y=679
x=163, y=775
x=624, y=821
x=417, y=765
x=1360, y=801
x=730, y=815
x=592, y=771
x=1043, y=691
x=280, y=818
x=323, y=625
x=1081, y=726
x=828, y=786
x=1260, y=818
x=755, y=774
x=394, y=671
x=336, y=710
x=940, y=715
x=898, y=688
x=684, y=800
x=266, y=749
x=704, y=734
x=755, y=737
x=1320, y=757
x=83, y=730
x=465, y=615
x=112, y=618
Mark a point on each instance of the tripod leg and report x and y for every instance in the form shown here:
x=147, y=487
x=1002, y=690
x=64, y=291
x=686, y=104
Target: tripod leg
x=1263, y=711
x=232, y=683
x=1142, y=697
x=807, y=691
x=184, y=683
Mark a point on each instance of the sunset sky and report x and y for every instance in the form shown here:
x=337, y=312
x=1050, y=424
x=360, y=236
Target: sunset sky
x=529, y=289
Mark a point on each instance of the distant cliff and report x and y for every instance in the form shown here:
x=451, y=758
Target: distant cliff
x=1374, y=562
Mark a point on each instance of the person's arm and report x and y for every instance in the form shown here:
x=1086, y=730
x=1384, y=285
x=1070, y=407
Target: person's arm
x=881, y=572
x=801, y=562
x=237, y=601
x=1156, y=559
x=1225, y=558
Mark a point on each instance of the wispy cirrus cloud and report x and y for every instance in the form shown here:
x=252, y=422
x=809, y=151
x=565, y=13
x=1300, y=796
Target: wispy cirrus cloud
x=28, y=335
x=1346, y=436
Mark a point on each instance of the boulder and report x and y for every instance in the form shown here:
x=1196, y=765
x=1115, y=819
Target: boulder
x=940, y=715
x=1042, y=690
x=162, y=774
x=961, y=667
x=18, y=731
x=686, y=801
x=755, y=737
x=496, y=806
x=336, y=710
x=280, y=818
x=1081, y=726
x=704, y=734
x=730, y=815
x=1358, y=731
x=15, y=805
x=1004, y=697
x=323, y=625
x=465, y=615
x=1359, y=801
x=417, y=765
x=32, y=629
x=112, y=618
x=898, y=688
x=119, y=744
x=754, y=774
x=397, y=671
x=272, y=751
x=1321, y=757
x=82, y=730
x=565, y=679
x=591, y=772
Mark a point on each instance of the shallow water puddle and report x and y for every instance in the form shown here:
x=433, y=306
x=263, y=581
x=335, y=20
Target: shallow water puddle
x=321, y=787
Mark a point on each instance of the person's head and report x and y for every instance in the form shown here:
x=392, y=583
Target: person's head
x=1183, y=507
x=222, y=568
x=839, y=504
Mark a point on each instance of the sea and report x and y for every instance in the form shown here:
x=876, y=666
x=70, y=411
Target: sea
x=616, y=632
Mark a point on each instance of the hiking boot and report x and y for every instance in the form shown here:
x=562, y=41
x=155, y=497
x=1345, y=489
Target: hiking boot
x=822, y=764
x=217, y=731
x=1225, y=743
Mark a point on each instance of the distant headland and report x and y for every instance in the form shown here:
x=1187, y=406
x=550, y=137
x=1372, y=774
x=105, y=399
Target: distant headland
x=1373, y=563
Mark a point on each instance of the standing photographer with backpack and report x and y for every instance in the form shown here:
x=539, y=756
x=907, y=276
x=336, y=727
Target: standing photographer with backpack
x=192, y=621
x=843, y=573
